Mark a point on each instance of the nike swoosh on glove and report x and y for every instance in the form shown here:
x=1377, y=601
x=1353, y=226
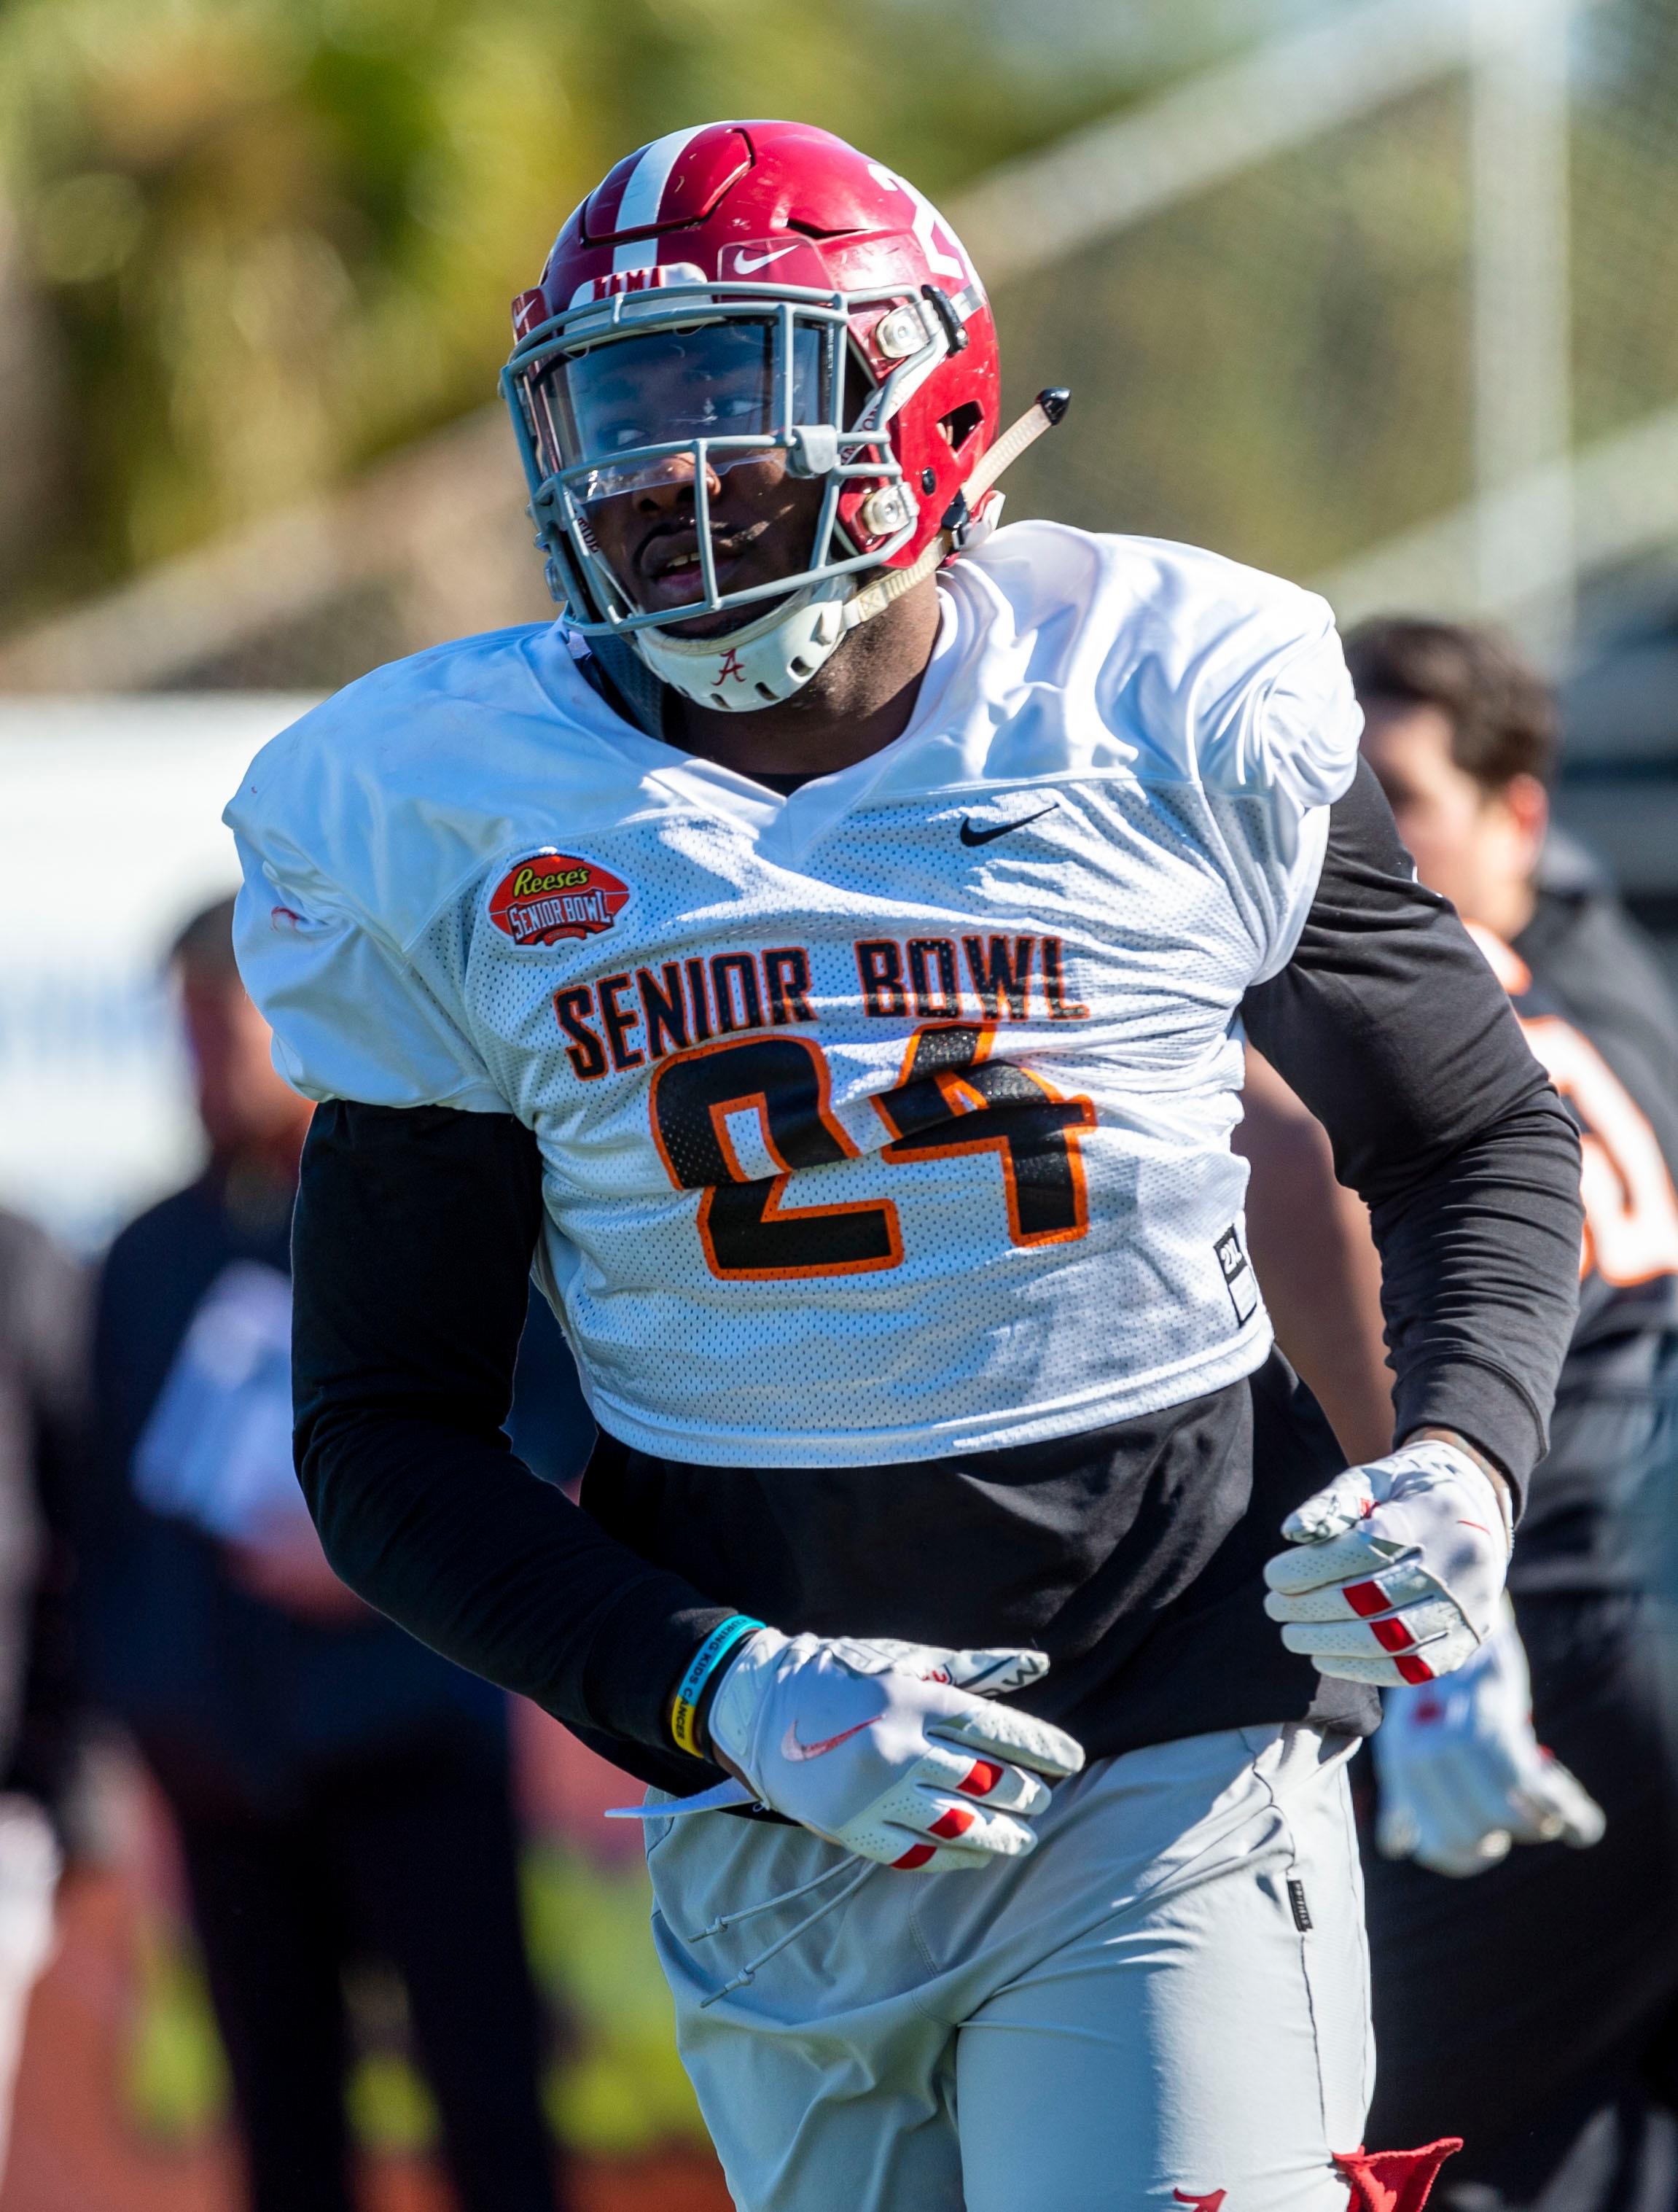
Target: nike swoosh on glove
x=1464, y=1777
x=1396, y=1568
x=888, y=1748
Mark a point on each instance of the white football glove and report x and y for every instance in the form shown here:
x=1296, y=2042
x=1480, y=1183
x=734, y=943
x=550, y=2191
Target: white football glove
x=1462, y=1776
x=888, y=1748
x=1398, y=1567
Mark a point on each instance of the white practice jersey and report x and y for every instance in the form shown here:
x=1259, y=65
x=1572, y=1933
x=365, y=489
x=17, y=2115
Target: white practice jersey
x=883, y=1121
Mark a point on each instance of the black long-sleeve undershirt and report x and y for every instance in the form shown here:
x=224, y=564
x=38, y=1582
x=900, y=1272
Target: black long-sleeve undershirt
x=1392, y=1029
x=411, y=1256
x=416, y=1228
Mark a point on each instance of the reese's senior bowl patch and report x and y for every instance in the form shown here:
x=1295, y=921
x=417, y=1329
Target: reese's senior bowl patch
x=549, y=896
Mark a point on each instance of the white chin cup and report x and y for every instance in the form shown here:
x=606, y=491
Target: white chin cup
x=759, y=666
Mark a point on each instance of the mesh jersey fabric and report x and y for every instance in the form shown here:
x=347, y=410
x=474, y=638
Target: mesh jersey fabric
x=1104, y=824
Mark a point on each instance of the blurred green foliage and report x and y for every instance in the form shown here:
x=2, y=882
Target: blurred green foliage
x=278, y=237
x=615, y=2087
x=174, y=2076
x=618, y=2088
x=1277, y=366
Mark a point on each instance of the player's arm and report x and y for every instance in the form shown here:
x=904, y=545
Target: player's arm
x=412, y=1254
x=1316, y=1263
x=1462, y=1774
x=1389, y=1026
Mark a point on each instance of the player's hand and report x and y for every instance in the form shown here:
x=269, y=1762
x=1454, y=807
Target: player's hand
x=1462, y=1776
x=1396, y=1566
x=889, y=1749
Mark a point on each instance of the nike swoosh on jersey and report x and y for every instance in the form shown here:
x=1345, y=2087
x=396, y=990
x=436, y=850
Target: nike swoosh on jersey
x=792, y=1748
x=970, y=835
x=745, y=264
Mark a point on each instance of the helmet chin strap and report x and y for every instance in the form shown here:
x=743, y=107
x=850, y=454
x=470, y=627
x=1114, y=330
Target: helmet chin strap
x=756, y=666
x=772, y=658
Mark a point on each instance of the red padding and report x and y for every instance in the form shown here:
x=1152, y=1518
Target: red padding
x=1395, y=2180
x=955, y=1822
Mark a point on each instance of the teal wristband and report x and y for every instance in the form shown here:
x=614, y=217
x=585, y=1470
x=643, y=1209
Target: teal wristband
x=684, y=1709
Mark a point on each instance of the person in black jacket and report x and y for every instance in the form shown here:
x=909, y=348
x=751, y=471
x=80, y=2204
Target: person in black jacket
x=43, y=1368
x=338, y=1789
x=1523, y=1897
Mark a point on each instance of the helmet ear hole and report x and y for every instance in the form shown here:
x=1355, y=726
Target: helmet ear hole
x=959, y=426
x=859, y=386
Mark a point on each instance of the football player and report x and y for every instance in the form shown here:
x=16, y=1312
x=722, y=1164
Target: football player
x=1536, y=2010
x=821, y=955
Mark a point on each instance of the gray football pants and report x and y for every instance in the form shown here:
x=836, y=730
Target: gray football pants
x=1168, y=1998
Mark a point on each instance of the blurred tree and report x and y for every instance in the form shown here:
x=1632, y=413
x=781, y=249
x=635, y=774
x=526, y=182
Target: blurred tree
x=32, y=407
x=276, y=238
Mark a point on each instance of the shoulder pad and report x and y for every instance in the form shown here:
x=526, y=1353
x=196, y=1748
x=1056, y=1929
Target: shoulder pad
x=1205, y=670
x=381, y=802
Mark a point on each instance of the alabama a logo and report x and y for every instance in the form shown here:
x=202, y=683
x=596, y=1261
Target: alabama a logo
x=549, y=896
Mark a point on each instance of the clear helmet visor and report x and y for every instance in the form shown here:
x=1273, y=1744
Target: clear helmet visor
x=637, y=423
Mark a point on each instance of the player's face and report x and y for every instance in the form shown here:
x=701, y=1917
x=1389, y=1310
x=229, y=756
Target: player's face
x=243, y=1105
x=714, y=382
x=1477, y=847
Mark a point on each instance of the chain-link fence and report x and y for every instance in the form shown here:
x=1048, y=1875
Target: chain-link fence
x=1624, y=215
x=1278, y=367
x=1390, y=304
x=1392, y=352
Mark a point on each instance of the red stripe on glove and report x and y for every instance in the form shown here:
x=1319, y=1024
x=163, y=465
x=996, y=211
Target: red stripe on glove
x=956, y=1822
x=1365, y=1597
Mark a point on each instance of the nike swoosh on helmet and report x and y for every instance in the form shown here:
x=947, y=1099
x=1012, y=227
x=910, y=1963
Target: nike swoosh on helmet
x=745, y=264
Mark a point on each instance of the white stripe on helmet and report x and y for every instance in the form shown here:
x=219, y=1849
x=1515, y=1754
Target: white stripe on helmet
x=644, y=190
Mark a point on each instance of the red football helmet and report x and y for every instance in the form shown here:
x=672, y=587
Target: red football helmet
x=751, y=292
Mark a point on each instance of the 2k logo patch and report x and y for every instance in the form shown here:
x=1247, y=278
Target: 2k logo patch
x=1205, y=2203
x=1238, y=1279
x=554, y=895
